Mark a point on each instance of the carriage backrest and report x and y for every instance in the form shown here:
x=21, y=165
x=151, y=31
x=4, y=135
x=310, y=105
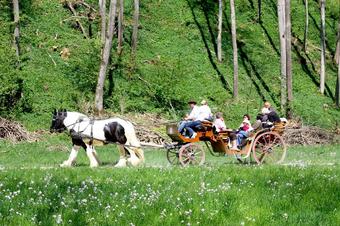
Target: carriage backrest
x=279, y=127
x=172, y=132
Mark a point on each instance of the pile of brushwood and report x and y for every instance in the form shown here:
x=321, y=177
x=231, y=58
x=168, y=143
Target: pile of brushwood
x=298, y=134
x=13, y=131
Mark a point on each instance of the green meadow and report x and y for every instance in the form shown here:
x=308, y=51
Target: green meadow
x=34, y=190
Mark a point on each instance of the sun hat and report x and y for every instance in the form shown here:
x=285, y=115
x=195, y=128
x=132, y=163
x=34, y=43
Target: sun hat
x=246, y=121
x=204, y=102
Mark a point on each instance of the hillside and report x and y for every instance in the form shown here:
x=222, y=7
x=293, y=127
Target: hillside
x=176, y=61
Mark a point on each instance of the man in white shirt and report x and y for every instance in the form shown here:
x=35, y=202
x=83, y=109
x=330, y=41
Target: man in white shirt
x=191, y=117
x=204, y=113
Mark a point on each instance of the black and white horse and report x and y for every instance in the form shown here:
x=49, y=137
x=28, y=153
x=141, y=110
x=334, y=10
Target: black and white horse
x=88, y=133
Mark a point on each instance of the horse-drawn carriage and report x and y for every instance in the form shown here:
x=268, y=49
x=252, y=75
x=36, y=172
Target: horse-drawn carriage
x=264, y=145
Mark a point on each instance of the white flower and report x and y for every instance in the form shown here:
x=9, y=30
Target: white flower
x=58, y=219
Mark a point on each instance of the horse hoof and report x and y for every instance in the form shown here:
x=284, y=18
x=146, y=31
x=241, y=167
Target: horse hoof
x=121, y=163
x=133, y=161
x=65, y=164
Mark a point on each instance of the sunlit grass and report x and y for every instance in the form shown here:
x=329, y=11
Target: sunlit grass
x=35, y=190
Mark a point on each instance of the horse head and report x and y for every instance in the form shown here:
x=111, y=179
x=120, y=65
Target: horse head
x=58, y=118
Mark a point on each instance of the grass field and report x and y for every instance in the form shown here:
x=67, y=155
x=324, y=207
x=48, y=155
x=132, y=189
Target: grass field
x=305, y=190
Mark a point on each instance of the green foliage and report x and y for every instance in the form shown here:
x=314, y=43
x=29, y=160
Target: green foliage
x=34, y=189
x=175, y=62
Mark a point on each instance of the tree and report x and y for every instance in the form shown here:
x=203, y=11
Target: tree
x=306, y=27
x=281, y=19
x=234, y=40
x=105, y=58
x=135, y=28
x=289, y=75
x=337, y=50
x=16, y=29
x=337, y=57
x=120, y=26
x=323, y=47
x=219, y=36
x=102, y=12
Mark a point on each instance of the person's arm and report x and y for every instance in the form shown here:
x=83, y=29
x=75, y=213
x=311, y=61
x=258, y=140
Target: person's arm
x=193, y=114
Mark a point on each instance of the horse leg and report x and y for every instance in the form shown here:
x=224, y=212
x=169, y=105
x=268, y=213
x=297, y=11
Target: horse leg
x=95, y=155
x=140, y=154
x=90, y=155
x=133, y=160
x=122, y=158
x=72, y=158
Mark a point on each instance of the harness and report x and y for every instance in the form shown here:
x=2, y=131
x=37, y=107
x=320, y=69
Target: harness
x=80, y=132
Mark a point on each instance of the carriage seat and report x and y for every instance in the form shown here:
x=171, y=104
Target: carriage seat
x=204, y=126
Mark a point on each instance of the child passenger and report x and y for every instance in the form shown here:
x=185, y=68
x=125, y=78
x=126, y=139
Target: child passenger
x=244, y=129
x=219, y=122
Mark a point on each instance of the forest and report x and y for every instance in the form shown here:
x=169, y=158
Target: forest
x=184, y=52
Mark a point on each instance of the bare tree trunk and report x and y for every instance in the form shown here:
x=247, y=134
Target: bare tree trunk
x=135, y=28
x=281, y=18
x=337, y=60
x=102, y=12
x=16, y=29
x=337, y=50
x=235, y=56
x=288, y=58
x=323, y=47
x=259, y=10
x=219, y=36
x=120, y=26
x=306, y=27
x=105, y=58
x=337, y=90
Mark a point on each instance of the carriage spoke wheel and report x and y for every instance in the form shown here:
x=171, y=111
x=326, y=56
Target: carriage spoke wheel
x=172, y=155
x=191, y=154
x=269, y=148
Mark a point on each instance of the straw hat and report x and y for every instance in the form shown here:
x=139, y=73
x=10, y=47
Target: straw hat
x=204, y=102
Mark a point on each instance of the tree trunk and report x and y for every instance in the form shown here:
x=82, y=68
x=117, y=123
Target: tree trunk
x=102, y=12
x=337, y=50
x=234, y=39
x=219, y=36
x=105, y=58
x=120, y=26
x=259, y=10
x=306, y=27
x=281, y=18
x=337, y=90
x=135, y=28
x=323, y=48
x=337, y=57
x=288, y=58
x=16, y=29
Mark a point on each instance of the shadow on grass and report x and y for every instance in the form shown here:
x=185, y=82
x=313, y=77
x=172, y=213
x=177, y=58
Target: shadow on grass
x=297, y=46
x=191, y=5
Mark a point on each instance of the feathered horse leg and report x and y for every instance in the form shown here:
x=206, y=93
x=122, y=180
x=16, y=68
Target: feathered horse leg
x=122, y=158
x=72, y=158
x=133, y=159
x=90, y=154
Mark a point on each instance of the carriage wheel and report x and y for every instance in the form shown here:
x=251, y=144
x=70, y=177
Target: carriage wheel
x=191, y=154
x=269, y=147
x=172, y=156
